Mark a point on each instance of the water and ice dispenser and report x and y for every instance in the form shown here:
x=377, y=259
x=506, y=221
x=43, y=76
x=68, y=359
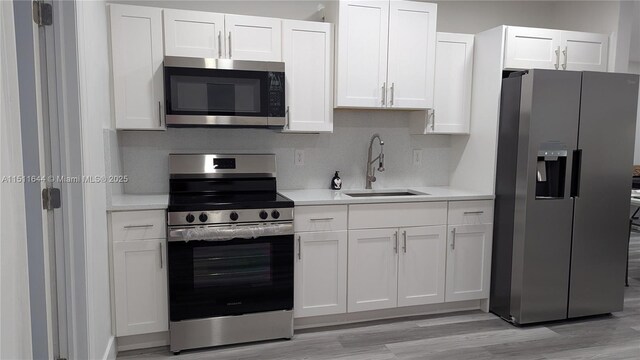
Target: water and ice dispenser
x=551, y=174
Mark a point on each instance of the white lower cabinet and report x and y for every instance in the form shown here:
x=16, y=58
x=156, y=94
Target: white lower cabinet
x=421, y=266
x=373, y=269
x=468, y=262
x=375, y=265
x=320, y=273
x=140, y=286
x=396, y=267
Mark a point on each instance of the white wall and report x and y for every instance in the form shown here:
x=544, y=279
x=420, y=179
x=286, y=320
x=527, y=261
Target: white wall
x=15, y=327
x=589, y=16
x=476, y=16
x=634, y=65
x=300, y=10
x=95, y=107
x=144, y=154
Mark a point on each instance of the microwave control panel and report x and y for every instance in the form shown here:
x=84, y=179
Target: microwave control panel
x=276, y=94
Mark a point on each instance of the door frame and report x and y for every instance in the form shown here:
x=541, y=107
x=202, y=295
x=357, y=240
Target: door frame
x=51, y=133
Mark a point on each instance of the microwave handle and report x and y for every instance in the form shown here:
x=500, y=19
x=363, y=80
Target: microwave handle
x=288, y=125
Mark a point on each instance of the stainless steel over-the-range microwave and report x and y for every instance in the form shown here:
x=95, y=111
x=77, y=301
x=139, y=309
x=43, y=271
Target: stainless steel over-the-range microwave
x=223, y=92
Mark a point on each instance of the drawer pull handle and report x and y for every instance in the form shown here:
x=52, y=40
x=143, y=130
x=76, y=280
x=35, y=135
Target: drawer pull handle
x=322, y=219
x=474, y=212
x=138, y=226
x=453, y=239
x=404, y=246
x=395, y=242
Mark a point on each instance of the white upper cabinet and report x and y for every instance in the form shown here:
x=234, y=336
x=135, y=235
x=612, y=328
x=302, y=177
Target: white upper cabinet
x=193, y=34
x=253, y=38
x=212, y=35
x=421, y=267
x=361, y=73
x=372, y=32
x=528, y=48
x=412, y=51
x=584, y=51
x=451, y=113
x=320, y=273
x=372, y=269
x=137, y=55
x=307, y=55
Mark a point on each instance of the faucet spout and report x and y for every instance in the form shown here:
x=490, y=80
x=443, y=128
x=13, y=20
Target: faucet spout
x=371, y=171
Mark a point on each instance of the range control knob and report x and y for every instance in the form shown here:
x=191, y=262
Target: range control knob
x=263, y=215
x=275, y=214
x=190, y=218
x=233, y=216
x=203, y=217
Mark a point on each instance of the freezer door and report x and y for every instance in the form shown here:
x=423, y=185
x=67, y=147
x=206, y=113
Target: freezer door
x=601, y=216
x=549, y=113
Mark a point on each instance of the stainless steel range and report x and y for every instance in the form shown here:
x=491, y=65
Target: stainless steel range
x=230, y=251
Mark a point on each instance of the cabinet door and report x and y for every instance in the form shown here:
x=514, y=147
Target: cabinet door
x=528, y=48
x=253, y=38
x=412, y=51
x=421, y=267
x=373, y=269
x=193, y=34
x=468, y=262
x=306, y=51
x=136, y=50
x=452, y=90
x=140, y=281
x=584, y=51
x=320, y=273
x=363, y=30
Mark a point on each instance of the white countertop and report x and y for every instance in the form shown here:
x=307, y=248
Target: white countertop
x=328, y=197
x=125, y=202
x=132, y=202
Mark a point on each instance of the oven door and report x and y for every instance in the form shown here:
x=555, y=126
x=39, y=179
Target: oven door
x=210, y=278
x=227, y=97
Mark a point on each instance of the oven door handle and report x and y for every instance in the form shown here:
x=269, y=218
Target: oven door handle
x=226, y=233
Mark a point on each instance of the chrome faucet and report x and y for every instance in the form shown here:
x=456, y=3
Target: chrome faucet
x=371, y=171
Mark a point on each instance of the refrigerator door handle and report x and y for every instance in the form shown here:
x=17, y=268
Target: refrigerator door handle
x=576, y=173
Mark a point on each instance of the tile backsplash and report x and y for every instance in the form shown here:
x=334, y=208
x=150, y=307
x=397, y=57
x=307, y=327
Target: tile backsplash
x=143, y=154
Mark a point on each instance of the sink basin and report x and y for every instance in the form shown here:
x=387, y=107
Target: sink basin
x=384, y=193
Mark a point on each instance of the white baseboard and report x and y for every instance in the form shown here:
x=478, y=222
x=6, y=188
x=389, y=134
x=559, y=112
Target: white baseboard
x=110, y=352
x=143, y=341
x=363, y=316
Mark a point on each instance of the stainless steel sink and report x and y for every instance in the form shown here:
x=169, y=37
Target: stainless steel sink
x=384, y=193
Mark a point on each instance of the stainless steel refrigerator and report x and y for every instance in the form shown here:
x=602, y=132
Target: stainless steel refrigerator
x=565, y=156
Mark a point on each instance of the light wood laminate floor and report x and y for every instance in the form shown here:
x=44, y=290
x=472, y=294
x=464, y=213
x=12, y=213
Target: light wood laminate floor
x=466, y=335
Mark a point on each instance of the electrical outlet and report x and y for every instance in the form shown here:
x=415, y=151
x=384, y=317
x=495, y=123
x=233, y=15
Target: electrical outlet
x=298, y=158
x=417, y=157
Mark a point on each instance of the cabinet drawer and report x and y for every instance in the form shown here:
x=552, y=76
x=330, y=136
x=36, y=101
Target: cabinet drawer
x=320, y=218
x=368, y=216
x=138, y=225
x=470, y=212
